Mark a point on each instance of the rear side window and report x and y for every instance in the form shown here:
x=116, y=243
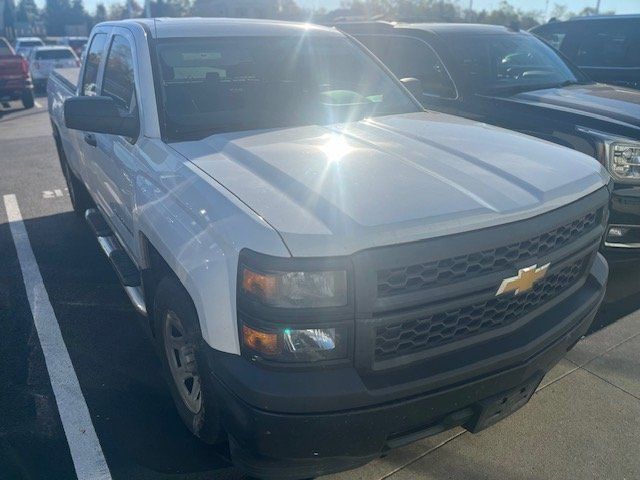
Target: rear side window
x=411, y=57
x=92, y=63
x=609, y=45
x=55, y=55
x=553, y=36
x=31, y=43
x=118, y=80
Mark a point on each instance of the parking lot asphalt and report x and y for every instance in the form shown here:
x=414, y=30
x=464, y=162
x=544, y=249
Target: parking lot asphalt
x=584, y=421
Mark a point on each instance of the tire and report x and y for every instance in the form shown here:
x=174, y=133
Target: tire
x=80, y=198
x=176, y=325
x=27, y=98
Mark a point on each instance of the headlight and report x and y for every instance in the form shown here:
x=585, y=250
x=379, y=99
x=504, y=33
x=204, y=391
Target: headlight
x=311, y=289
x=296, y=345
x=624, y=160
x=295, y=309
x=621, y=155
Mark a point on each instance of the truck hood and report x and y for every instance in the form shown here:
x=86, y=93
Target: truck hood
x=339, y=189
x=608, y=102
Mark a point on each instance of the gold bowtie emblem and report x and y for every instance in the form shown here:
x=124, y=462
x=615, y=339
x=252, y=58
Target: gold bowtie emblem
x=524, y=280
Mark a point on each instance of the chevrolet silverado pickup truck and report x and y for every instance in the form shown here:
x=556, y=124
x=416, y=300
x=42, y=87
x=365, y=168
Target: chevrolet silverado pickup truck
x=327, y=270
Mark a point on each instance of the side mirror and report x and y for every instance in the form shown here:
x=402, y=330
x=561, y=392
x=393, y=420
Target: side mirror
x=99, y=115
x=414, y=86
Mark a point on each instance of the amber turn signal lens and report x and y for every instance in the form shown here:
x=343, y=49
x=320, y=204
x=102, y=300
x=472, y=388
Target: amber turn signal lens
x=261, y=342
x=258, y=284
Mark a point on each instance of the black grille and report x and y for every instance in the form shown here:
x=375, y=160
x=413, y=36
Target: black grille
x=463, y=267
x=402, y=338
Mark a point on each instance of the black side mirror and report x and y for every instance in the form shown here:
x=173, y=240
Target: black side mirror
x=99, y=115
x=413, y=85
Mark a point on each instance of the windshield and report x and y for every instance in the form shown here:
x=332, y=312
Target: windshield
x=215, y=85
x=54, y=55
x=31, y=43
x=493, y=63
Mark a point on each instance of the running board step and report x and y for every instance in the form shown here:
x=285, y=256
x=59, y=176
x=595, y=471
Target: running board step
x=96, y=222
x=127, y=272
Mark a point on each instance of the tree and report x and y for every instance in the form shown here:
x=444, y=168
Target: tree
x=129, y=9
x=170, y=8
x=27, y=11
x=57, y=13
x=77, y=14
x=101, y=14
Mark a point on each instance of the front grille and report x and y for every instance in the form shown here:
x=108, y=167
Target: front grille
x=409, y=336
x=423, y=276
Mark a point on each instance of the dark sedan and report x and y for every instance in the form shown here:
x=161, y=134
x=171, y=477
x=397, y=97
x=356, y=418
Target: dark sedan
x=513, y=79
x=607, y=48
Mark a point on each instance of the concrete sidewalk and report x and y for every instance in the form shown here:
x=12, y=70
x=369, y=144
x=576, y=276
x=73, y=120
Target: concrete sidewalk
x=582, y=423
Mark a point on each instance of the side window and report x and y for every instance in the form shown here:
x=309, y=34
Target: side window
x=410, y=57
x=554, y=37
x=609, y=46
x=118, y=82
x=94, y=57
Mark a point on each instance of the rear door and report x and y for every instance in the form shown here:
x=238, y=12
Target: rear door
x=88, y=81
x=113, y=157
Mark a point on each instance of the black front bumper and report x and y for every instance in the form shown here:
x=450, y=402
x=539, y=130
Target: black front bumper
x=298, y=424
x=624, y=212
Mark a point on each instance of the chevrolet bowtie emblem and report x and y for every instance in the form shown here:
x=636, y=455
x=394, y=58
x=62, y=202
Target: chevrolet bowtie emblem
x=524, y=280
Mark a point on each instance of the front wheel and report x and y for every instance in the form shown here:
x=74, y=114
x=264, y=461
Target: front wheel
x=28, y=100
x=178, y=335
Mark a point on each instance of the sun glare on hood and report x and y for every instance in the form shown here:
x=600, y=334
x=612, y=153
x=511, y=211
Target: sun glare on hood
x=335, y=147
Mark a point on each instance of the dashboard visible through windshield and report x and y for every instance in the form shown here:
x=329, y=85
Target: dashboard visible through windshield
x=213, y=85
x=495, y=63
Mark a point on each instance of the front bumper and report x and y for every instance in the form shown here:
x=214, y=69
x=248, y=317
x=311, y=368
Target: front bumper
x=298, y=424
x=624, y=213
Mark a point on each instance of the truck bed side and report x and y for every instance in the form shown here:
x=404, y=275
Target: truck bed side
x=62, y=85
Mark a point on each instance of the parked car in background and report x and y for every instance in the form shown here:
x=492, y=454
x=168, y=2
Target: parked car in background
x=607, y=48
x=15, y=80
x=515, y=80
x=43, y=60
x=77, y=44
x=24, y=45
x=328, y=270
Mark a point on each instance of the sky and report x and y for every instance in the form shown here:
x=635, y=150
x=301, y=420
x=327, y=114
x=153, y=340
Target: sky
x=620, y=6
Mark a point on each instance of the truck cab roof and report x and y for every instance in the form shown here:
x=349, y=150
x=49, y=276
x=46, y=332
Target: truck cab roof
x=221, y=27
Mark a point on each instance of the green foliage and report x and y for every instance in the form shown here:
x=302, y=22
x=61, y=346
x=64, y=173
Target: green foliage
x=101, y=14
x=56, y=16
x=8, y=13
x=27, y=11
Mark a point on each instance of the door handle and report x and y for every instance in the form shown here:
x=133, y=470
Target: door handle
x=90, y=138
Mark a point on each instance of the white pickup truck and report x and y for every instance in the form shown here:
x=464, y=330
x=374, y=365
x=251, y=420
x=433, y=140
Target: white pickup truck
x=328, y=270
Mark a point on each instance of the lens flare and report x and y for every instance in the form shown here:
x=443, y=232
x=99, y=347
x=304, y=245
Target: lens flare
x=335, y=148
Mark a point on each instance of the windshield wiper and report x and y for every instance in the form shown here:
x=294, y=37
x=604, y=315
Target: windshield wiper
x=568, y=83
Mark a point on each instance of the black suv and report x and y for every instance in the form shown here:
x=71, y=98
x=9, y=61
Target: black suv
x=515, y=80
x=607, y=48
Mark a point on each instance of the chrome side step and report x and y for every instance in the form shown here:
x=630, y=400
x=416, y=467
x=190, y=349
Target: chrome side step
x=123, y=265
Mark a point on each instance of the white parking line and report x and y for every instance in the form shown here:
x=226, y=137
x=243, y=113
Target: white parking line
x=37, y=104
x=88, y=459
